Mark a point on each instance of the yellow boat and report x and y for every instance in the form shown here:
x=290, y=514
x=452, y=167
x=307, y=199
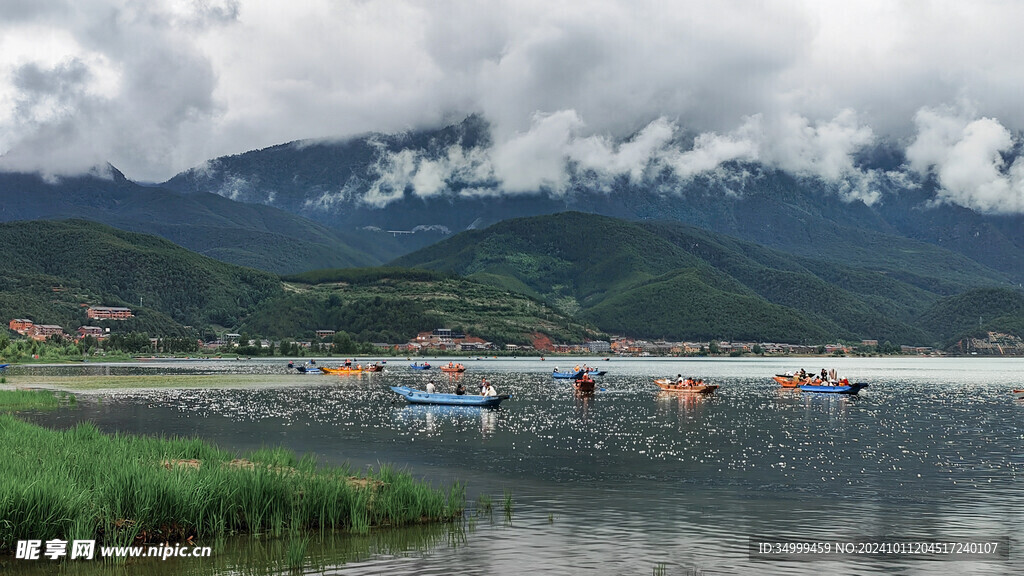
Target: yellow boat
x=341, y=370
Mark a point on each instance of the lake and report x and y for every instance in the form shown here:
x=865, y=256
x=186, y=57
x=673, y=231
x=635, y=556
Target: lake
x=629, y=480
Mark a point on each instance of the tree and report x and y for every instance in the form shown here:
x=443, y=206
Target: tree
x=713, y=347
x=756, y=349
x=343, y=343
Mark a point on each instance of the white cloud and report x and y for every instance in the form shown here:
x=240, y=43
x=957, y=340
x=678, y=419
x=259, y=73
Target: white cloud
x=966, y=156
x=605, y=86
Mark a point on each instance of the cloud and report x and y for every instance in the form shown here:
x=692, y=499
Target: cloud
x=609, y=88
x=966, y=156
x=102, y=80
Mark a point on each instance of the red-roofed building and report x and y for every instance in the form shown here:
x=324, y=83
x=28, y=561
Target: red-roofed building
x=21, y=325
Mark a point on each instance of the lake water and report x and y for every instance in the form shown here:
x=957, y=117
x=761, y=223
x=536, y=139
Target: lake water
x=631, y=480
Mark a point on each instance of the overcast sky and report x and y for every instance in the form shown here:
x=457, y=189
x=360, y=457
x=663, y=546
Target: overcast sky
x=158, y=86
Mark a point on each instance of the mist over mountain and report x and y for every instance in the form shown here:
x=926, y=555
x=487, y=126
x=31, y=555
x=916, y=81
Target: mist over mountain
x=252, y=235
x=833, y=196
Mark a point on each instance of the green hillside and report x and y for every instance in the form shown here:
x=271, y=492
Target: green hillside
x=253, y=235
x=392, y=305
x=672, y=280
x=51, y=269
x=976, y=312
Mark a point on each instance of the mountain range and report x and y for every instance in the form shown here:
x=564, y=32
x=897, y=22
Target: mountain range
x=745, y=251
x=376, y=182
x=666, y=279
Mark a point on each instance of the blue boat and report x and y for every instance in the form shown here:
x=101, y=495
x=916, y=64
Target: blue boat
x=568, y=375
x=414, y=396
x=2, y=366
x=308, y=370
x=848, y=389
x=420, y=366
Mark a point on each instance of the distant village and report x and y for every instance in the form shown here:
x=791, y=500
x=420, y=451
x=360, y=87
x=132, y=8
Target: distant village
x=440, y=340
x=33, y=331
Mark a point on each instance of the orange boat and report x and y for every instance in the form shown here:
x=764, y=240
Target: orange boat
x=670, y=386
x=453, y=368
x=1019, y=393
x=340, y=370
x=789, y=381
x=584, y=384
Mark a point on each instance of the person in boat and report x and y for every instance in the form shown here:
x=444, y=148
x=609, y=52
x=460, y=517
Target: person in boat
x=577, y=369
x=483, y=385
x=430, y=387
x=488, y=390
x=460, y=389
x=823, y=375
x=680, y=380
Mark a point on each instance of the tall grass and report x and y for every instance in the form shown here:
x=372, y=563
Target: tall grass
x=32, y=399
x=123, y=488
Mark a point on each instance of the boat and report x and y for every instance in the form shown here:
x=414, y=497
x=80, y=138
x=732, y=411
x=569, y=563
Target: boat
x=670, y=386
x=375, y=367
x=453, y=368
x=787, y=381
x=568, y=375
x=2, y=366
x=308, y=370
x=424, y=366
x=414, y=396
x=838, y=389
x=584, y=384
x=596, y=372
x=341, y=370
x=1018, y=393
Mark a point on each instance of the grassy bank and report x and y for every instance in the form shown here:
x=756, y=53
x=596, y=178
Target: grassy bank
x=33, y=399
x=83, y=484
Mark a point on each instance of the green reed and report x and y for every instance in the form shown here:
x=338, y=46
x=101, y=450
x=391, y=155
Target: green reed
x=123, y=488
x=33, y=399
x=484, y=504
x=508, y=504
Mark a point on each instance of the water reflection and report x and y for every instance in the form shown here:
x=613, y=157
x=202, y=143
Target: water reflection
x=431, y=419
x=249, y=556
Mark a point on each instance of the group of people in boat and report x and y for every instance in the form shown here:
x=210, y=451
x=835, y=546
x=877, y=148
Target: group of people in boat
x=485, y=388
x=578, y=369
x=824, y=378
x=688, y=382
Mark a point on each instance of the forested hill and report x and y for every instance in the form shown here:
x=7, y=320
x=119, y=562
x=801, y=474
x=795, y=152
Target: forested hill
x=245, y=234
x=394, y=304
x=667, y=279
x=51, y=269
